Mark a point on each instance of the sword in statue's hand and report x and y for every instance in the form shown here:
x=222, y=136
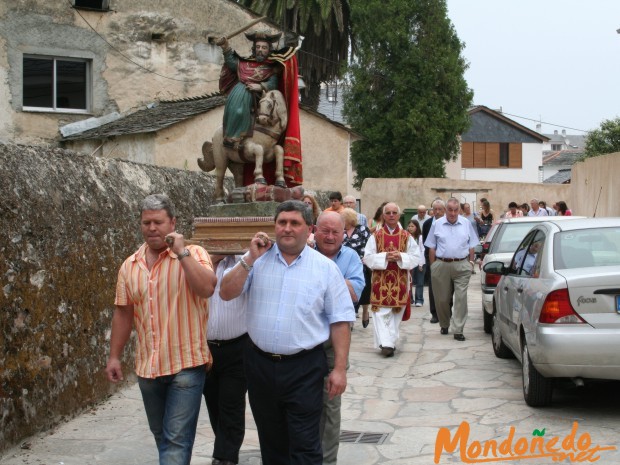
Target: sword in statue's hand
x=220, y=41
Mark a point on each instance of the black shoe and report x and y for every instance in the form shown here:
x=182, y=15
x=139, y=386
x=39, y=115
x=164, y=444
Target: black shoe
x=434, y=319
x=387, y=351
x=445, y=331
x=459, y=337
x=365, y=323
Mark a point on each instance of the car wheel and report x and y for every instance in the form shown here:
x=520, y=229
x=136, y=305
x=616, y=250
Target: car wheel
x=487, y=320
x=537, y=390
x=501, y=350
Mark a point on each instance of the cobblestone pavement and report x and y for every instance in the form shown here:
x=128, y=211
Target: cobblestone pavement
x=432, y=382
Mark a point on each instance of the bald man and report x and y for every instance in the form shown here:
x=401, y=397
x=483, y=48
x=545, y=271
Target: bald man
x=391, y=252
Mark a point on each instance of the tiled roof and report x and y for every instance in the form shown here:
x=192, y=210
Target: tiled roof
x=153, y=117
x=562, y=157
x=561, y=177
x=574, y=140
x=162, y=114
x=492, y=126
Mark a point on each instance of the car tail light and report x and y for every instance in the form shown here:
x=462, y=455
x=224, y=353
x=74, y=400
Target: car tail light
x=485, y=249
x=558, y=309
x=492, y=279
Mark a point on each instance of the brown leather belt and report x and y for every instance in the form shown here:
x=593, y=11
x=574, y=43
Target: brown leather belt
x=449, y=260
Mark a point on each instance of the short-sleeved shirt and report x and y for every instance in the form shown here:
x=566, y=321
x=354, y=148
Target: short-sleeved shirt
x=452, y=240
x=169, y=318
x=291, y=307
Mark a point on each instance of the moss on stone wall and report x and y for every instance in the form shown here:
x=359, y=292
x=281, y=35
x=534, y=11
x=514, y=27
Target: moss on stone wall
x=67, y=221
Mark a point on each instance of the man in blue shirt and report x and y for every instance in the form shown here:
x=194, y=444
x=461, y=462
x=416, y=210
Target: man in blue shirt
x=297, y=299
x=451, y=243
x=329, y=236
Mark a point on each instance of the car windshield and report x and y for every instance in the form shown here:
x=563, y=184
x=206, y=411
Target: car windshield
x=510, y=236
x=586, y=247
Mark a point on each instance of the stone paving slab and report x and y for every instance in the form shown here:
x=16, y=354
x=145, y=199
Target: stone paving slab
x=432, y=382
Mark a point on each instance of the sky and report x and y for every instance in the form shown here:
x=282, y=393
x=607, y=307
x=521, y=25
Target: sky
x=555, y=61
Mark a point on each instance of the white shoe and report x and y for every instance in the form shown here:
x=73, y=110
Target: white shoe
x=418, y=304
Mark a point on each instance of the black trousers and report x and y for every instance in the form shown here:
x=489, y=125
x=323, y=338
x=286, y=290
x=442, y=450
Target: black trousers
x=224, y=393
x=287, y=400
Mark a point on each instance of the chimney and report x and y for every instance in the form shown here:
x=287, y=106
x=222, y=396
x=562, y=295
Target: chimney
x=555, y=132
x=563, y=132
x=538, y=127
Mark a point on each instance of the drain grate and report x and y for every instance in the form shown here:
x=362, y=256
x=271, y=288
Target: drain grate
x=361, y=437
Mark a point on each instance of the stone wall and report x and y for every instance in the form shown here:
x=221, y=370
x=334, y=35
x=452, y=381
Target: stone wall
x=67, y=221
x=411, y=192
x=595, y=187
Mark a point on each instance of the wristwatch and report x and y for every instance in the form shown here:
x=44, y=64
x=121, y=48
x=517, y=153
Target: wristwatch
x=183, y=254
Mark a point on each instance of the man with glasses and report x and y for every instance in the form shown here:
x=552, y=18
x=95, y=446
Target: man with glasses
x=391, y=252
x=450, y=245
x=349, y=202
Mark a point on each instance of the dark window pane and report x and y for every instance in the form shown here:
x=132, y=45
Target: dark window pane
x=38, y=82
x=503, y=154
x=71, y=84
x=94, y=4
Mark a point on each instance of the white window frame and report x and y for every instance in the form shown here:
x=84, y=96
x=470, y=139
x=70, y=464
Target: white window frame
x=54, y=108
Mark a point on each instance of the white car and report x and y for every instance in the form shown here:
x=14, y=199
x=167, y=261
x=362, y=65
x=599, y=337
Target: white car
x=557, y=304
x=502, y=241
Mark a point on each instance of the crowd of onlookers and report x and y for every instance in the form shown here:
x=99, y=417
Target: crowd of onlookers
x=484, y=218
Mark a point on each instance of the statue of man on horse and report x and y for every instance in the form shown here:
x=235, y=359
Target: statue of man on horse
x=252, y=86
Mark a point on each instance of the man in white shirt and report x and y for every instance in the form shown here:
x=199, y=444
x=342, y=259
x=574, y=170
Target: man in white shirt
x=390, y=253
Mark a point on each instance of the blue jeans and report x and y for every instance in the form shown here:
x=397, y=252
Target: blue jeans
x=418, y=283
x=172, y=404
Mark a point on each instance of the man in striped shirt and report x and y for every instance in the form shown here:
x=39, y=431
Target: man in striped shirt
x=226, y=386
x=162, y=291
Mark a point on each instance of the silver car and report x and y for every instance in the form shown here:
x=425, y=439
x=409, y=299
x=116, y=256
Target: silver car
x=500, y=245
x=557, y=304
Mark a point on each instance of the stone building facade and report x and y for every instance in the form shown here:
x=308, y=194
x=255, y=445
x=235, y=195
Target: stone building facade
x=96, y=62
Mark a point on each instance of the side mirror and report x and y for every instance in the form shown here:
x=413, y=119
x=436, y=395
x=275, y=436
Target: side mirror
x=478, y=249
x=495, y=268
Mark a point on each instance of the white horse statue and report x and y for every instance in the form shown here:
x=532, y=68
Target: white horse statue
x=271, y=122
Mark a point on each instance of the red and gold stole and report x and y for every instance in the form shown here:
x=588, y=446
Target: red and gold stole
x=389, y=287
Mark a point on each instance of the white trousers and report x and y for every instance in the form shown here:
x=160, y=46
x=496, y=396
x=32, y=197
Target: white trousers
x=386, y=323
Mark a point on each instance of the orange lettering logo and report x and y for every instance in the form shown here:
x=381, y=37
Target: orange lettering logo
x=572, y=447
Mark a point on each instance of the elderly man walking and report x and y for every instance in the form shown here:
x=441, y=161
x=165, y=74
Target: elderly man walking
x=451, y=243
x=329, y=236
x=390, y=253
x=349, y=202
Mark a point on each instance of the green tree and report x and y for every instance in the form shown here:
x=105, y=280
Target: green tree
x=325, y=26
x=604, y=140
x=408, y=96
